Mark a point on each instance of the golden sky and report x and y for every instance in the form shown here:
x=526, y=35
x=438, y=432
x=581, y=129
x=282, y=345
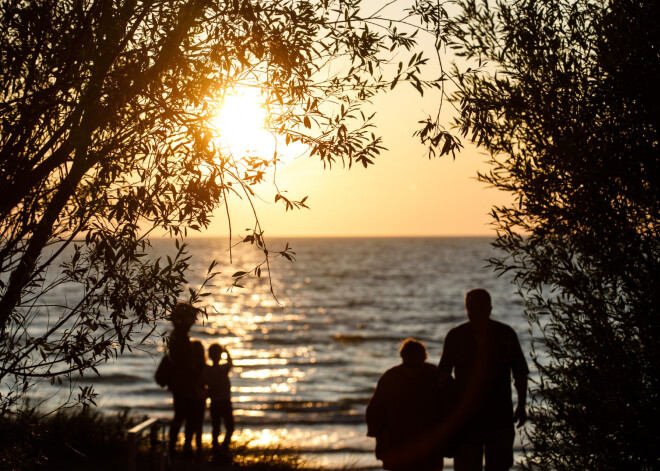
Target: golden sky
x=403, y=194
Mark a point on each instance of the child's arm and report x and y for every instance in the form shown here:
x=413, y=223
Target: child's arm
x=229, y=362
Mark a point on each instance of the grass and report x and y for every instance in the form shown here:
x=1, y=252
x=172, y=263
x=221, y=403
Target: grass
x=84, y=439
x=71, y=439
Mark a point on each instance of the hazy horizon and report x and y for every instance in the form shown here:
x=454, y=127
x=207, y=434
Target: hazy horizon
x=236, y=237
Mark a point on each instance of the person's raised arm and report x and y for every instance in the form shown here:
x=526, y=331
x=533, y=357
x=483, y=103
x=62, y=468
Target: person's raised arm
x=229, y=361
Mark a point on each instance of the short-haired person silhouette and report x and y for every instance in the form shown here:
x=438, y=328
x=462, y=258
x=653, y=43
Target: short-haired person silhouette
x=216, y=378
x=403, y=413
x=482, y=354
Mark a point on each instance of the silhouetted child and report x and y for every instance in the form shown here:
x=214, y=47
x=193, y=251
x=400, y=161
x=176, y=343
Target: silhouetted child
x=216, y=378
x=198, y=406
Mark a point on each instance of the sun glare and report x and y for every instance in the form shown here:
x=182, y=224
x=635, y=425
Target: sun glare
x=240, y=125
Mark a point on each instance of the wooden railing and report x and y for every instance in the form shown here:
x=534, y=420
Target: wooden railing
x=158, y=444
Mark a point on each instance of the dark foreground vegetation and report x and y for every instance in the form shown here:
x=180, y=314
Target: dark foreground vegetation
x=84, y=439
x=73, y=439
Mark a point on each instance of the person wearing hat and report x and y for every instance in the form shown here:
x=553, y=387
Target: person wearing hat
x=183, y=375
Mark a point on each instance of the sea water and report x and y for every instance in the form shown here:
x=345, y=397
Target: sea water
x=310, y=341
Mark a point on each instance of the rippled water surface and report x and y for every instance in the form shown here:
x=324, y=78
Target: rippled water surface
x=307, y=362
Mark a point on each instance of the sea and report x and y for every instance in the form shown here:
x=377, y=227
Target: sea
x=310, y=338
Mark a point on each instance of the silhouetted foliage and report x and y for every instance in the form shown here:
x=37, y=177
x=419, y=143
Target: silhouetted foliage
x=567, y=105
x=106, y=135
x=85, y=438
x=72, y=439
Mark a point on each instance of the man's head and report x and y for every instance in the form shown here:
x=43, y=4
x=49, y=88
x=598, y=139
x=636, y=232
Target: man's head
x=478, y=306
x=413, y=352
x=183, y=316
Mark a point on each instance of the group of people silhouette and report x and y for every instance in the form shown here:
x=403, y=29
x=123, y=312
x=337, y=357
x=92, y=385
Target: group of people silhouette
x=185, y=372
x=420, y=413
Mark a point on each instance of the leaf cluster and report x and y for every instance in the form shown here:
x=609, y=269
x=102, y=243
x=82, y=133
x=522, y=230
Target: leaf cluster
x=106, y=136
x=74, y=439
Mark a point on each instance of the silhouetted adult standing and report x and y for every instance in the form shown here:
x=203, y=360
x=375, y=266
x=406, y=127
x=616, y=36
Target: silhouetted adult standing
x=482, y=354
x=184, y=375
x=403, y=412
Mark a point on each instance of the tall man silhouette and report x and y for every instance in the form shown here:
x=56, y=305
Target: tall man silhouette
x=482, y=354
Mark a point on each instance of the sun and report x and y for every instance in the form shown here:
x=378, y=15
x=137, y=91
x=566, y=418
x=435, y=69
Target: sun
x=240, y=124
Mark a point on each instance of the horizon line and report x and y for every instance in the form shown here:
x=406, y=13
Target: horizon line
x=350, y=236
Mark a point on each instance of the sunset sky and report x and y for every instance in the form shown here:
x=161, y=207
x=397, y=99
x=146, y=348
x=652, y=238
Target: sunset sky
x=403, y=194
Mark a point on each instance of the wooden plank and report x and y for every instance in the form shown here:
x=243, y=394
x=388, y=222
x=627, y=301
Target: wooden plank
x=140, y=427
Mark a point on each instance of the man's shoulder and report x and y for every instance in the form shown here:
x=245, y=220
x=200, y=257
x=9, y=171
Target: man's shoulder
x=501, y=328
x=460, y=330
x=392, y=375
x=393, y=371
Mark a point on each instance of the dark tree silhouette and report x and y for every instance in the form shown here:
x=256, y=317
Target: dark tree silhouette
x=105, y=135
x=567, y=105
